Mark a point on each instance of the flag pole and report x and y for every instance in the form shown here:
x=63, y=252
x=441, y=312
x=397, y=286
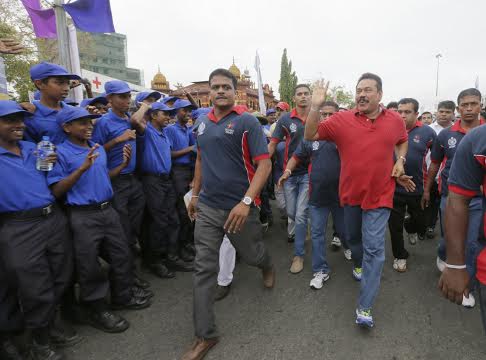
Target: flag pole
x=62, y=35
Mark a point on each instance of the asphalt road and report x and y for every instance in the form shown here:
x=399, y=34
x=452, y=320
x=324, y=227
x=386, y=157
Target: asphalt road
x=412, y=320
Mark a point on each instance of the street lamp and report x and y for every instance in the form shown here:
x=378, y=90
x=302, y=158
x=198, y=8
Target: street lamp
x=438, y=56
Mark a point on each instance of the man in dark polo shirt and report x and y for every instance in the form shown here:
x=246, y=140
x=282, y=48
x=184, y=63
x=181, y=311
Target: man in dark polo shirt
x=232, y=167
x=443, y=152
x=290, y=128
x=467, y=176
x=420, y=140
x=366, y=138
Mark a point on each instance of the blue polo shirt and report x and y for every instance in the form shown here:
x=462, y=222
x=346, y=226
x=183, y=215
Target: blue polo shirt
x=154, y=149
x=324, y=170
x=420, y=141
x=108, y=127
x=94, y=186
x=229, y=148
x=23, y=186
x=43, y=123
x=290, y=128
x=181, y=137
x=443, y=152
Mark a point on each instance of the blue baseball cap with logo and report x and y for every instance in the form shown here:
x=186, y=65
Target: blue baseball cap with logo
x=169, y=98
x=91, y=101
x=141, y=96
x=71, y=113
x=162, y=107
x=117, y=87
x=9, y=107
x=182, y=103
x=44, y=70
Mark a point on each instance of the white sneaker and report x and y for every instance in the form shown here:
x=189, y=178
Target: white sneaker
x=468, y=302
x=440, y=264
x=395, y=264
x=335, y=243
x=400, y=265
x=412, y=238
x=347, y=254
x=318, y=280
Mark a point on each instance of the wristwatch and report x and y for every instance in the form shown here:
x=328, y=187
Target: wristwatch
x=403, y=158
x=247, y=200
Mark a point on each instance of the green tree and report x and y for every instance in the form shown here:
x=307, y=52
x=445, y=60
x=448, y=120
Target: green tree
x=288, y=79
x=344, y=98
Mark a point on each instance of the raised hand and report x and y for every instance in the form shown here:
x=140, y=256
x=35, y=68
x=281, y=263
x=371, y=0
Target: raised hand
x=90, y=158
x=127, y=135
x=319, y=93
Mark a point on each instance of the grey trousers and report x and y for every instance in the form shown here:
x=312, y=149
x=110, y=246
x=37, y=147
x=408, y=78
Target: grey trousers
x=208, y=235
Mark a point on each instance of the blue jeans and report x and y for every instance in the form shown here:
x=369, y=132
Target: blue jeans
x=296, y=198
x=365, y=231
x=473, y=247
x=318, y=218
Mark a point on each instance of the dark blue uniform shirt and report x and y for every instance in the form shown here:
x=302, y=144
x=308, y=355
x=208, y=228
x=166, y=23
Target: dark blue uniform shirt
x=43, y=123
x=181, y=137
x=155, y=151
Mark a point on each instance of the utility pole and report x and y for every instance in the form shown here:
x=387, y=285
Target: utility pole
x=62, y=35
x=438, y=56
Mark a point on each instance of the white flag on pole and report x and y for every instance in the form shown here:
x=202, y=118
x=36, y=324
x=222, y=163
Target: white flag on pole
x=476, y=84
x=261, y=98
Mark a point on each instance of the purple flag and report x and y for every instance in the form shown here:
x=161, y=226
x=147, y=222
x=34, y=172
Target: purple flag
x=43, y=20
x=91, y=15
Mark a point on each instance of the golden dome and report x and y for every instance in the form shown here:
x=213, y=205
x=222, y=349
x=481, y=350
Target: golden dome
x=159, y=82
x=234, y=70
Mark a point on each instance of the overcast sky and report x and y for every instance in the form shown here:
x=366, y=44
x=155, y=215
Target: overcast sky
x=337, y=40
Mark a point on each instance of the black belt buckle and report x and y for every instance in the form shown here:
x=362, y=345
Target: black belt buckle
x=104, y=205
x=47, y=210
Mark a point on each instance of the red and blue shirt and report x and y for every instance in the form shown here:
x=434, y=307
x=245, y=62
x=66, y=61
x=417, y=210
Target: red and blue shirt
x=290, y=128
x=467, y=175
x=324, y=170
x=229, y=148
x=366, y=149
x=444, y=149
x=420, y=141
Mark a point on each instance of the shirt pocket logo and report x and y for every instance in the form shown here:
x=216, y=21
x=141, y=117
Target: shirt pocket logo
x=293, y=128
x=315, y=145
x=200, y=129
x=452, y=142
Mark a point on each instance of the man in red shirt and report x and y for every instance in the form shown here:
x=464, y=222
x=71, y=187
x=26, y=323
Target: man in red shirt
x=366, y=138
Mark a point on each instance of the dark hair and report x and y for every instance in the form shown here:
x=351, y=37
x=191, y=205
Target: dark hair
x=469, y=92
x=331, y=103
x=410, y=101
x=226, y=73
x=447, y=104
x=302, y=86
x=426, y=112
x=392, y=104
x=370, y=76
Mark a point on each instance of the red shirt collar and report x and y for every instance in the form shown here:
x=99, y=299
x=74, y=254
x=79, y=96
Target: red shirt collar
x=237, y=109
x=293, y=114
x=383, y=111
x=417, y=124
x=457, y=126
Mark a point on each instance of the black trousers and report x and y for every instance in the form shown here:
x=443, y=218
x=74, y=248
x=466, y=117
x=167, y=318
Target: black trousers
x=182, y=177
x=432, y=211
x=417, y=223
x=99, y=233
x=162, y=220
x=11, y=319
x=129, y=202
x=36, y=253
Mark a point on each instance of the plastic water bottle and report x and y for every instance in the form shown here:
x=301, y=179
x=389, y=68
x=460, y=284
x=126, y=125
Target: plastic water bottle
x=44, y=149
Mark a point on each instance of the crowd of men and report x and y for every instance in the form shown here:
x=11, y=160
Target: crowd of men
x=186, y=189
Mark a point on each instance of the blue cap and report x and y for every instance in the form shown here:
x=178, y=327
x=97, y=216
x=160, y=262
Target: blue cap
x=271, y=111
x=169, y=98
x=141, y=96
x=45, y=70
x=71, y=113
x=117, y=87
x=71, y=102
x=9, y=107
x=91, y=101
x=182, y=103
x=199, y=112
x=162, y=107
x=37, y=95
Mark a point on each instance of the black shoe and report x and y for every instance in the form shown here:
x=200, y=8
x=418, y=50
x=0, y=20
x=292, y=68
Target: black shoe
x=61, y=335
x=135, y=303
x=139, y=282
x=430, y=233
x=107, y=321
x=186, y=256
x=291, y=238
x=142, y=293
x=176, y=264
x=44, y=352
x=161, y=271
x=222, y=292
x=8, y=350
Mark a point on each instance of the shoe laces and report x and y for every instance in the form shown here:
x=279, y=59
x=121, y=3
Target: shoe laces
x=358, y=270
x=366, y=313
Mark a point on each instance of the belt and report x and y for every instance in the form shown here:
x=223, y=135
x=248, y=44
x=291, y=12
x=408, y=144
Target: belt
x=184, y=166
x=125, y=176
x=28, y=214
x=91, y=207
x=161, y=176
